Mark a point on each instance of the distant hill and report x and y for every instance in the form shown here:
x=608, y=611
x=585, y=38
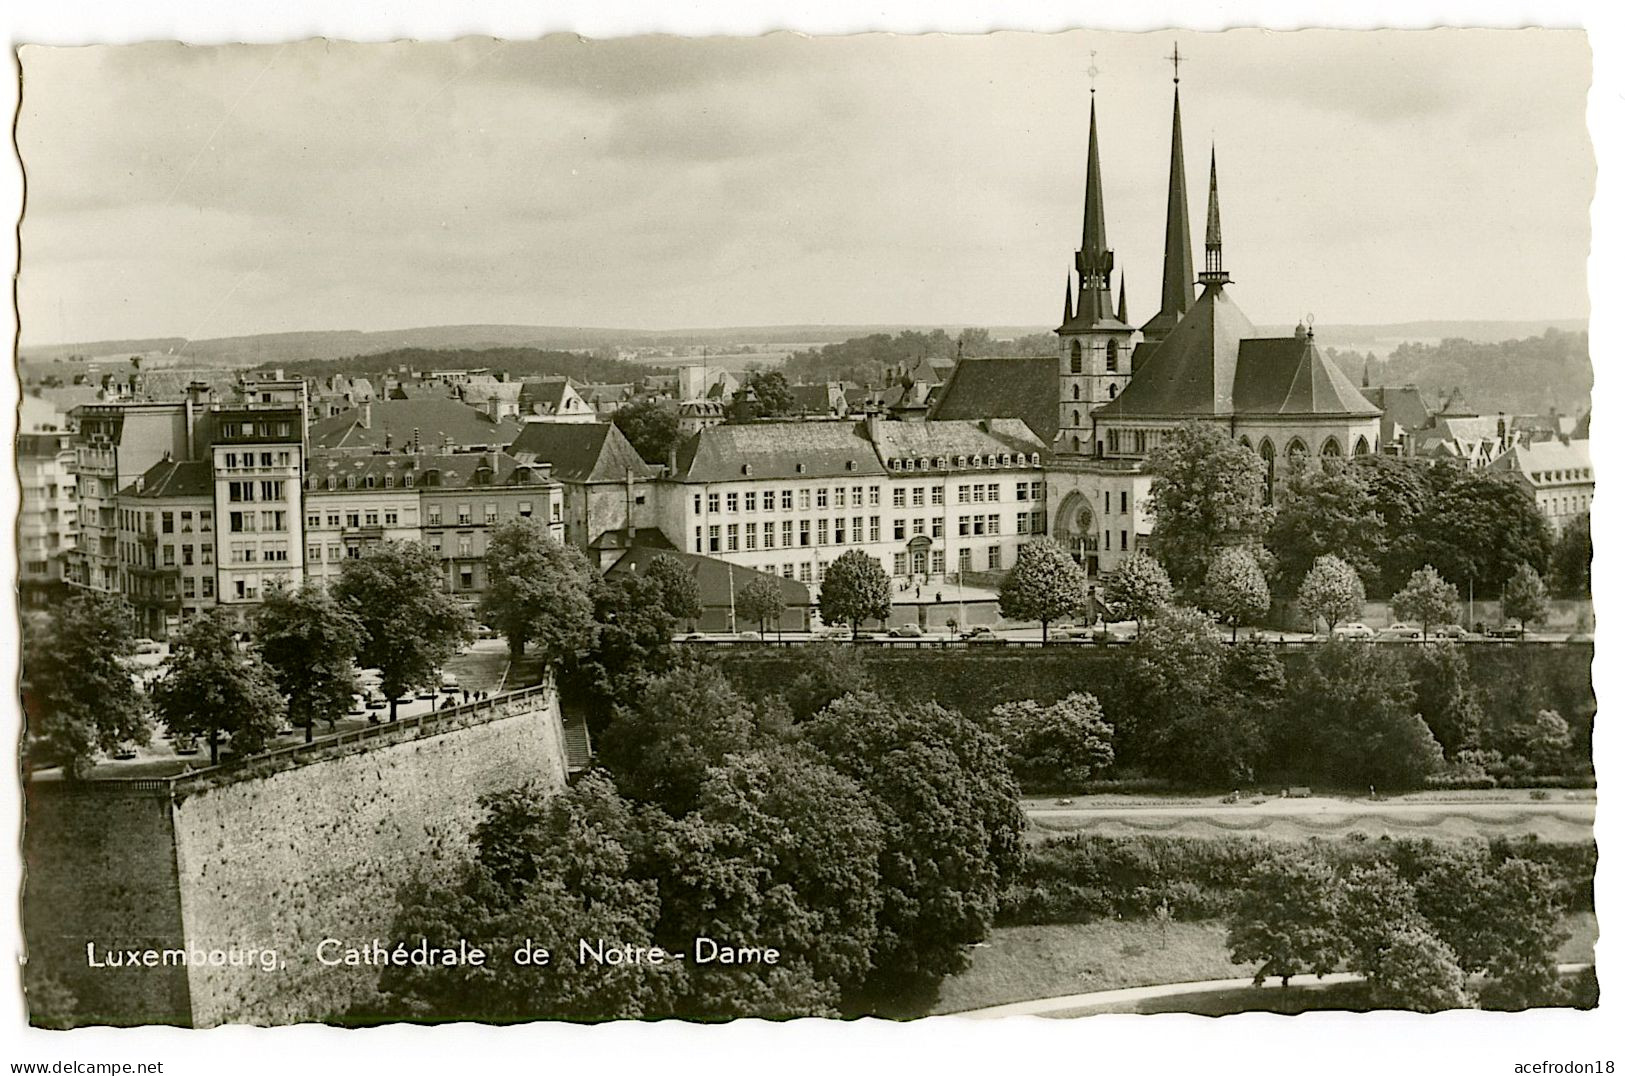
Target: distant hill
x=291, y=347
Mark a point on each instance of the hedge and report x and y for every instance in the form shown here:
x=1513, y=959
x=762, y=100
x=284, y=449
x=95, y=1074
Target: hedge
x=1084, y=877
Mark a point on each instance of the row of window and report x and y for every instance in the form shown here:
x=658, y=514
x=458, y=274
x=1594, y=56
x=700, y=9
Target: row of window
x=234, y=460
x=130, y=553
x=942, y=463
x=1563, y=506
x=273, y=521
x=164, y=522
x=839, y=497
x=915, y=563
x=392, y=515
x=253, y=553
x=734, y=537
x=245, y=492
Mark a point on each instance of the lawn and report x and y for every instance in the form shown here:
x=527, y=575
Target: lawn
x=1443, y=821
x=1023, y=963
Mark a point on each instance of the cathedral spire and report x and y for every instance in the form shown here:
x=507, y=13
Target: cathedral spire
x=1178, y=268
x=1213, y=269
x=1066, y=308
x=1094, y=257
x=1122, y=298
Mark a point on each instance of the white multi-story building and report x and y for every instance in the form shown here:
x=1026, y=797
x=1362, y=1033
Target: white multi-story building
x=933, y=502
x=48, y=515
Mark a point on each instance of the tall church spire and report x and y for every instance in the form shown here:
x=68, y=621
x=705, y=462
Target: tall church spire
x=1066, y=307
x=1213, y=269
x=1094, y=257
x=1178, y=268
x=1122, y=298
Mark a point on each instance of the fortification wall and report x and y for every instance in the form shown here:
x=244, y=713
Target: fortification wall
x=276, y=861
x=99, y=869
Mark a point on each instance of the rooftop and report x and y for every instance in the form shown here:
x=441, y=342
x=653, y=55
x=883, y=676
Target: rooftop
x=581, y=451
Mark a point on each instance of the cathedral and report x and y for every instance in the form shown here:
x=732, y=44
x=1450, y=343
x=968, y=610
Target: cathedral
x=1122, y=389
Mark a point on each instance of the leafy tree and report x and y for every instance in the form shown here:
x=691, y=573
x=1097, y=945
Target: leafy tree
x=79, y=695
x=855, y=588
x=538, y=591
x=1427, y=598
x=1138, y=589
x=1285, y=918
x=1235, y=589
x=548, y=871
x=631, y=647
x=1209, y=493
x=309, y=642
x=1187, y=714
x=1544, y=740
x=779, y=842
x=210, y=687
x=651, y=429
x=410, y=624
x=1524, y=598
x=1057, y=746
x=1331, y=590
x=1446, y=696
x=1522, y=969
x=1045, y=584
x=1419, y=973
x=765, y=394
x=1325, y=508
x=684, y=722
x=1351, y=718
x=1400, y=496
x=1480, y=526
x=826, y=672
x=761, y=600
x=1571, y=560
x=1377, y=905
x=679, y=590
x=951, y=817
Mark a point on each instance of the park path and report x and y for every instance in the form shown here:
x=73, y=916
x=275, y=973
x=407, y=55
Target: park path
x=1103, y=998
x=1318, y=805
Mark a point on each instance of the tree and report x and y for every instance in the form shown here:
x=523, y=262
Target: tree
x=1571, y=560
x=1480, y=526
x=1527, y=930
x=1209, y=492
x=1524, y=598
x=1235, y=589
x=771, y=392
x=1326, y=507
x=951, y=817
x=1285, y=918
x=826, y=672
x=651, y=429
x=1419, y=973
x=1331, y=590
x=410, y=624
x=1351, y=718
x=549, y=870
x=1544, y=740
x=1137, y=589
x=309, y=642
x=630, y=647
x=1377, y=905
x=79, y=695
x=1058, y=746
x=761, y=600
x=209, y=687
x=1427, y=598
x=684, y=722
x=1400, y=495
x=855, y=588
x=538, y=591
x=679, y=591
x=779, y=841
x=1446, y=696
x=1045, y=584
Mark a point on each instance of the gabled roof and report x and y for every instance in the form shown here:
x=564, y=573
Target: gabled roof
x=429, y=470
x=1289, y=376
x=1548, y=458
x=712, y=575
x=1401, y=405
x=776, y=450
x=1025, y=388
x=824, y=398
x=1193, y=370
x=173, y=478
x=1457, y=406
x=545, y=395
x=581, y=451
x=434, y=420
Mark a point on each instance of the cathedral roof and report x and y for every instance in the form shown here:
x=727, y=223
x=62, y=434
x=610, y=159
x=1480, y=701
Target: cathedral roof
x=1193, y=370
x=1289, y=376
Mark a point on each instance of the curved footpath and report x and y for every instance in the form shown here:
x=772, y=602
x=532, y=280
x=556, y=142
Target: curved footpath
x=1102, y=998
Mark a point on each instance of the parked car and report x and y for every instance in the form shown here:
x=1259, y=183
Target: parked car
x=448, y=684
x=750, y=636
x=1450, y=631
x=906, y=631
x=426, y=692
x=1355, y=630
x=976, y=632
x=1505, y=631
x=124, y=752
x=185, y=745
x=1401, y=631
x=376, y=700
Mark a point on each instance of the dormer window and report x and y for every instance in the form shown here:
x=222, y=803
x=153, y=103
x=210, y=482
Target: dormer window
x=745, y=470
x=801, y=468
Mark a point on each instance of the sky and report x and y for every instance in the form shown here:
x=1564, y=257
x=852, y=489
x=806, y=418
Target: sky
x=660, y=182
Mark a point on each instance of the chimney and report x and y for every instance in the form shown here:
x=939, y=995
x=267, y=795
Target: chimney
x=871, y=427
x=366, y=415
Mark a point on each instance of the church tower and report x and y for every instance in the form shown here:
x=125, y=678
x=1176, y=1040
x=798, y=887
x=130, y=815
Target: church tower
x=1095, y=343
x=1178, y=284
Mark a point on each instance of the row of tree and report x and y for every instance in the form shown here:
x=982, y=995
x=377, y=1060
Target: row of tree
x=1416, y=941
x=1384, y=517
